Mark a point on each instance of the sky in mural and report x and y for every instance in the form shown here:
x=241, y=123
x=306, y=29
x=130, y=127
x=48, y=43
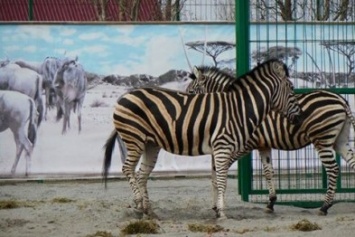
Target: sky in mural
x=113, y=49
x=156, y=48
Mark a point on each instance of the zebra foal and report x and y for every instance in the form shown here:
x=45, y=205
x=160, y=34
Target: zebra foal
x=149, y=119
x=326, y=124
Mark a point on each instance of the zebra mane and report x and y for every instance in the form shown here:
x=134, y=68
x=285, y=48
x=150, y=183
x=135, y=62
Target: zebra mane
x=215, y=73
x=271, y=60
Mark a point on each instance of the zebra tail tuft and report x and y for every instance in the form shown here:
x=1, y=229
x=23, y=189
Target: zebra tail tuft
x=109, y=146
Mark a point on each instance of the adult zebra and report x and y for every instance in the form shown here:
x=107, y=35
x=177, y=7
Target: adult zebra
x=148, y=119
x=326, y=125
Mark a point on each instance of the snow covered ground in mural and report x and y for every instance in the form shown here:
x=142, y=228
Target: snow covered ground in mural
x=82, y=154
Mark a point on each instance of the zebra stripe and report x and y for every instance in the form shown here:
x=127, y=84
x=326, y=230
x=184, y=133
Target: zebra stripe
x=326, y=124
x=148, y=119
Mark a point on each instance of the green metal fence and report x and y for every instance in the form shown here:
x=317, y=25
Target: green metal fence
x=317, y=42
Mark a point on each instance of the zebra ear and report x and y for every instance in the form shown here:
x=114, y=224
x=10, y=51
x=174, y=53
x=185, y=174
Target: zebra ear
x=192, y=76
x=196, y=72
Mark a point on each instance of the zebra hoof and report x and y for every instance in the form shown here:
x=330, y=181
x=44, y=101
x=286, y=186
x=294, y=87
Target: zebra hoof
x=222, y=218
x=269, y=210
x=150, y=216
x=138, y=213
x=133, y=213
x=322, y=213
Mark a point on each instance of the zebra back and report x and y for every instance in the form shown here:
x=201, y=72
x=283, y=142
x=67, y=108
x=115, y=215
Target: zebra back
x=176, y=122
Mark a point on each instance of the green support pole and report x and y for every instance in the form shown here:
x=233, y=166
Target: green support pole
x=242, y=56
x=30, y=10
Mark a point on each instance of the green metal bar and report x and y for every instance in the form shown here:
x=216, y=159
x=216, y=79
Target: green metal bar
x=335, y=90
x=301, y=191
x=30, y=10
x=242, y=55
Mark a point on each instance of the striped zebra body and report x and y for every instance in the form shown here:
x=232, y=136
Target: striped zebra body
x=149, y=119
x=326, y=125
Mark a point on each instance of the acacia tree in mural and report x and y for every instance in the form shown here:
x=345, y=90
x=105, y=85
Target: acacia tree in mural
x=345, y=48
x=211, y=48
x=279, y=52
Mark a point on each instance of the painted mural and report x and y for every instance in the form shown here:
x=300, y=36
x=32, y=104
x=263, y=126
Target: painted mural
x=105, y=61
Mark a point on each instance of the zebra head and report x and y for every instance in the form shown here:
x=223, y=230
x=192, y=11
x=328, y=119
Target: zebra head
x=209, y=79
x=283, y=97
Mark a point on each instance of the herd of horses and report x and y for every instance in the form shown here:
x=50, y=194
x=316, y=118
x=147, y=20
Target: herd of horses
x=61, y=82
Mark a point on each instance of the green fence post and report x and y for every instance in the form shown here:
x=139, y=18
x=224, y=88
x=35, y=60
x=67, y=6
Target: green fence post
x=30, y=10
x=242, y=55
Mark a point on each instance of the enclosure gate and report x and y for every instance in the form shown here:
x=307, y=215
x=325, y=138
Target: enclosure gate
x=321, y=55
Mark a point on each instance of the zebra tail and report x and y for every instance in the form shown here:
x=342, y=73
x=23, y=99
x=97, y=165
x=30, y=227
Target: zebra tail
x=32, y=125
x=38, y=98
x=350, y=116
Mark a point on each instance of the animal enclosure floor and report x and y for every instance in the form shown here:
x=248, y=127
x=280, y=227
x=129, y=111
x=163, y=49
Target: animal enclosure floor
x=81, y=208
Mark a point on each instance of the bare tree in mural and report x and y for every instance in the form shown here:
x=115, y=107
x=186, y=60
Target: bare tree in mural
x=171, y=9
x=279, y=52
x=343, y=8
x=128, y=9
x=347, y=49
x=100, y=7
x=272, y=10
x=225, y=10
x=213, y=48
x=290, y=10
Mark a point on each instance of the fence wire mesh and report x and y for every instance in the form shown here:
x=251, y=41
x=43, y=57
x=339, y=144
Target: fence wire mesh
x=316, y=40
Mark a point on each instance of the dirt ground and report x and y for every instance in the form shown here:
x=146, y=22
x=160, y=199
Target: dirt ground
x=84, y=207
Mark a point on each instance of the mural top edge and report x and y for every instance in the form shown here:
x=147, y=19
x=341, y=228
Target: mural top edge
x=116, y=22
x=352, y=23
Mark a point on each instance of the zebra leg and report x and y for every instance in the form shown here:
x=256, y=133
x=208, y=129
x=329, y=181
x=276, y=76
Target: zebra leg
x=268, y=170
x=222, y=159
x=128, y=170
x=214, y=185
x=327, y=157
x=149, y=159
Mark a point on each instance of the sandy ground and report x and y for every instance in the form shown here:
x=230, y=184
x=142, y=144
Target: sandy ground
x=177, y=202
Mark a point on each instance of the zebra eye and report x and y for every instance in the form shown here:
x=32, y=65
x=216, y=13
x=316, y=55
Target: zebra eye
x=203, y=79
